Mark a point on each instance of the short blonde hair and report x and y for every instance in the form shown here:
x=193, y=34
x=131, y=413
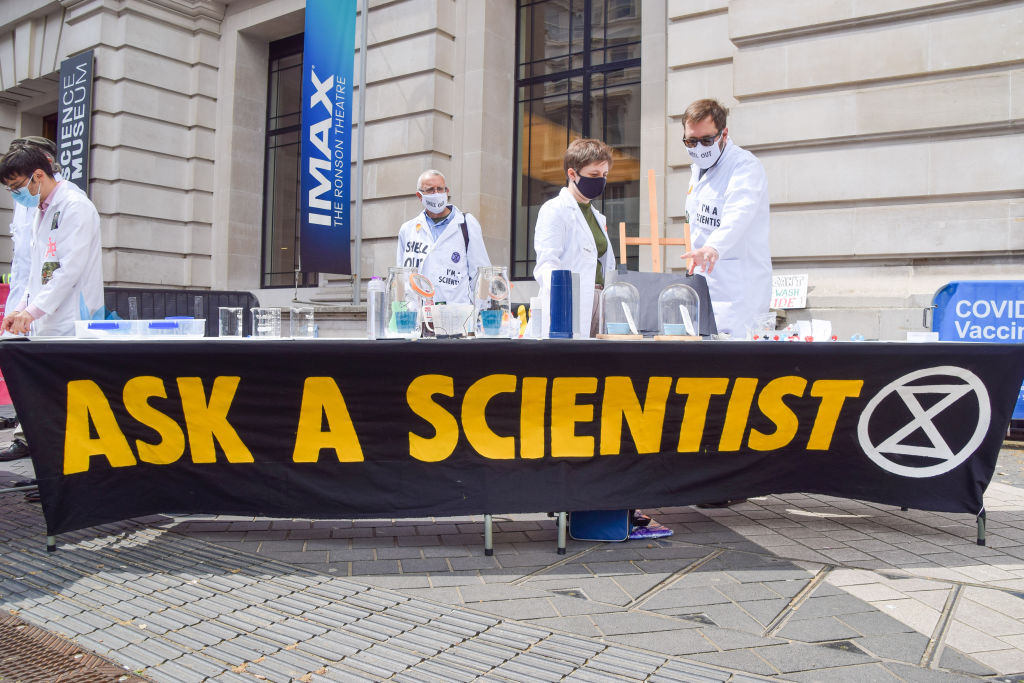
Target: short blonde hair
x=585, y=151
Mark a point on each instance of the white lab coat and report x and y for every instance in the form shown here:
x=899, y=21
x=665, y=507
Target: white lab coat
x=21, y=253
x=21, y=249
x=446, y=262
x=66, y=268
x=728, y=209
x=564, y=241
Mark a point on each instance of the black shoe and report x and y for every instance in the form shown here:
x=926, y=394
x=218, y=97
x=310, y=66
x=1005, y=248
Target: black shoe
x=722, y=504
x=17, y=450
x=8, y=422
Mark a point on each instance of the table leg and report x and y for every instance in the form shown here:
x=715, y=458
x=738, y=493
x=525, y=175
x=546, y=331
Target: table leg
x=51, y=544
x=488, y=536
x=981, y=528
x=561, y=533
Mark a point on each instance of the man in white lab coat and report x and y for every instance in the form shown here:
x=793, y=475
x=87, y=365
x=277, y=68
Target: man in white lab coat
x=442, y=243
x=65, y=277
x=727, y=209
x=572, y=235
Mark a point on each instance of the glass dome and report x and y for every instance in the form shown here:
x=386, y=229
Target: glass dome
x=620, y=306
x=678, y=311
x=493, y=314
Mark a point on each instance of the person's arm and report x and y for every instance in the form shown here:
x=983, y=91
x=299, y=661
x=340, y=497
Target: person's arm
x=476, y=253
x=70, y=243
x=743, y=196
x=548, y=242
x=401, y=246
x=608, y=260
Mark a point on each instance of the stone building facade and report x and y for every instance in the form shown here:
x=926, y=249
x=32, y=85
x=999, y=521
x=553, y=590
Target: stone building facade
x=891, y=132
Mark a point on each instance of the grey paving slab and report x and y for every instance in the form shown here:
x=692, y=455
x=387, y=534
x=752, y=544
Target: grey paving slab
x=676, y=642
x=816, y=630
x=800, y=657
x=857, y=673
x=913, y=674
x=323, y=616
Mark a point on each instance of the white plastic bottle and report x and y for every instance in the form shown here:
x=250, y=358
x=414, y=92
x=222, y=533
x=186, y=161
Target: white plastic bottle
x=375, y=294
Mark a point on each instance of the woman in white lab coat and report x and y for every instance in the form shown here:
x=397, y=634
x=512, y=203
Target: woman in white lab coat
x=567, y=238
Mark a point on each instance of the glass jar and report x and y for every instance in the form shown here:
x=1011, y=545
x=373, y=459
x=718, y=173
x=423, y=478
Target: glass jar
x=491, y=300
x=620, y=308
x=678, y=311
x=407, y=293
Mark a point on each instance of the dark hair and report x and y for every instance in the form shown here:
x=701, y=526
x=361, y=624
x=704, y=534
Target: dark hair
x=585, y=151
x=24, y=161
x=701, y=109
x=46, y=144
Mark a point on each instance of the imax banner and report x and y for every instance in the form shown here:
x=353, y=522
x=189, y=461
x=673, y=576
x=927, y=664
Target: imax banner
x=343, y=429
x=326, y=132
x=74, y=118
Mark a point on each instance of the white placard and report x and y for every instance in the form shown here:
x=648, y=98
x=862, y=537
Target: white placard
x=687, y=323
x=629, y=318
x=789, y=291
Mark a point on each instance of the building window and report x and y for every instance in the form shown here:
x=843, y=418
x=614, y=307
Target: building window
x=578, y=75
x=280, y=262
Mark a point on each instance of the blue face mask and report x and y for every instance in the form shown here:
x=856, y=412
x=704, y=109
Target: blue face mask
x=24, y=197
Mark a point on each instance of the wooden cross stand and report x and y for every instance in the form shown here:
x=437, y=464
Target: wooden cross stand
x=655, y=243
x=654, y=240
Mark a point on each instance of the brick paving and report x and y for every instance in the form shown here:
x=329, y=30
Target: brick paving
x=791, y=587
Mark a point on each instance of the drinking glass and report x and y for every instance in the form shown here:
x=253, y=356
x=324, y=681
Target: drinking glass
x=230, y=321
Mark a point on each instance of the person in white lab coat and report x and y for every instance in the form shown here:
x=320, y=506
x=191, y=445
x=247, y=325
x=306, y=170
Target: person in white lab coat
x=65, y=276
x=571, y=234
x=22, y=220
x=727, y=209
x=442, y=243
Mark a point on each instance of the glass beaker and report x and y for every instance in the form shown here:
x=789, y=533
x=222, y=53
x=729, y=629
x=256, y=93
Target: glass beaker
x=493, y=312
x=230, y=321
x=620, y=307
x=678, y=311
x=407, y=292
x=301, y=323
x=266, y=322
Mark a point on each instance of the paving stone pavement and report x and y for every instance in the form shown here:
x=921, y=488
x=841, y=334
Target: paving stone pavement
x=790, y=587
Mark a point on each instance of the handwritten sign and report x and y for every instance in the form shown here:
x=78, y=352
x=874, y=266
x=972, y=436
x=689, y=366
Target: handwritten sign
x=789, y=291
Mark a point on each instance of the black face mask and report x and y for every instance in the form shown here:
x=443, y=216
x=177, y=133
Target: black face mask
x=590, y=188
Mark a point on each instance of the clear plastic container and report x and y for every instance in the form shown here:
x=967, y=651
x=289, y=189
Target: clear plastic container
x=678, y=311
x=105, y=329
x=619, y=310
x=178, y=328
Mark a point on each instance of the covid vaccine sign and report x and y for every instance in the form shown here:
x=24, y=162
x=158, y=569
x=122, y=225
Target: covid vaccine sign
x=982, y=311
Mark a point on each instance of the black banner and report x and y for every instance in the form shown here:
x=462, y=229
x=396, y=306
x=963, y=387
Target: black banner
x=74, y=118
x=343, y=429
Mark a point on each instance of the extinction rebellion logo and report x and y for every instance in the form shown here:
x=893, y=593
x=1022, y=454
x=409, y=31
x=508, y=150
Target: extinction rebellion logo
x=918, y=425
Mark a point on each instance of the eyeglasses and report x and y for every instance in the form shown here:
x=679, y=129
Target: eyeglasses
x=22, y=184
x=433, y=190
x=705, y=141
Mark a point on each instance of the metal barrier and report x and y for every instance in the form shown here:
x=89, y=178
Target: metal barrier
x=161, y=303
